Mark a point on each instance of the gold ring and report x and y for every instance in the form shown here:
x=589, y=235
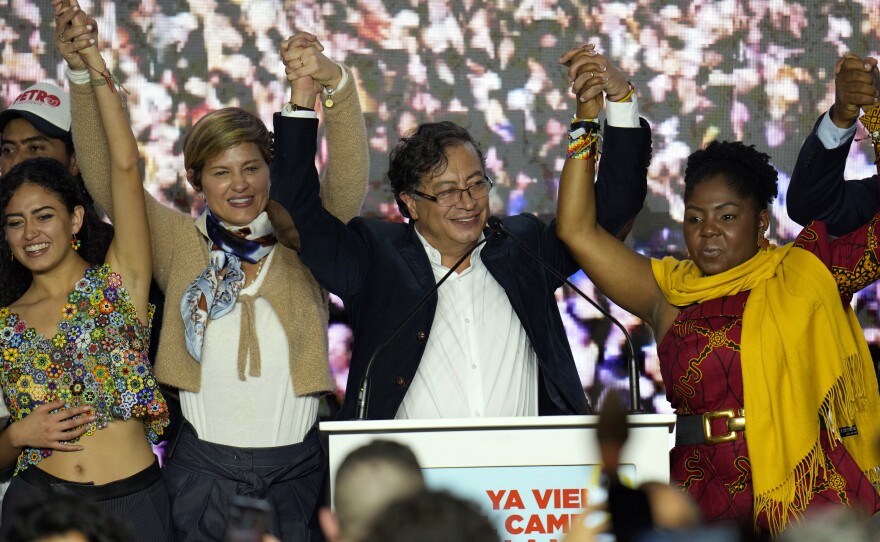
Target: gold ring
x=592, y=75
x=61, y=35
x=302, y=63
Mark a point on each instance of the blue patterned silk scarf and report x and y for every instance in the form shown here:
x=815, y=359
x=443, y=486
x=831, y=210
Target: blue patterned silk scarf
x=214, y=292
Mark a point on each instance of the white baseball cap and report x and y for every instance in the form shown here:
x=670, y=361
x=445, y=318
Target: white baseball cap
x=45, y=106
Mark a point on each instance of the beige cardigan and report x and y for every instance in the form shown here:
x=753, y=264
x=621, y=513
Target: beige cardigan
x=180, y=252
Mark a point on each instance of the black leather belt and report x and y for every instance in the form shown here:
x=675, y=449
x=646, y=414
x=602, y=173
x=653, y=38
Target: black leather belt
x=697, y=429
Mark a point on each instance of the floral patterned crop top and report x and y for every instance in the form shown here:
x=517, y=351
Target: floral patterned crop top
x=98, y=357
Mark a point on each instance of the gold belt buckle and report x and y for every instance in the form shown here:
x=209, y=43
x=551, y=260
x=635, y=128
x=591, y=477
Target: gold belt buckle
x=734, y=423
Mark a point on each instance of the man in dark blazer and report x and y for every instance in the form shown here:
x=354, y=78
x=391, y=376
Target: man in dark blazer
x=450, y=359
x=818, y=190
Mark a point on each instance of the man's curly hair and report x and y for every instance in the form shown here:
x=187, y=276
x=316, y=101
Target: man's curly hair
x=747, y=170
x=423, y=151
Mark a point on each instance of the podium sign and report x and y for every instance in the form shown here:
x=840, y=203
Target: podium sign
x=530, y=475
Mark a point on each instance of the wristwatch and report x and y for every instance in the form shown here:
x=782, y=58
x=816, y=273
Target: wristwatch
x=290, y=108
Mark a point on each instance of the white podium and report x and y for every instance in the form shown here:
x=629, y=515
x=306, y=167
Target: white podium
x=530, y=475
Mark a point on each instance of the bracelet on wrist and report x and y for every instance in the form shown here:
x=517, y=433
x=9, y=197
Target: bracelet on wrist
x=584, y=136
x=328, y=92
x=629, y=94
x=579, y=127
x=107, y=78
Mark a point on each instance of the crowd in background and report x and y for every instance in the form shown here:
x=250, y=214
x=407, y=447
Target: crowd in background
x=755, y=70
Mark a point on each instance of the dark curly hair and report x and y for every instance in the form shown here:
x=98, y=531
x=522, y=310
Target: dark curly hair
x=423, y=151
x=747, y=170
x=95, y=235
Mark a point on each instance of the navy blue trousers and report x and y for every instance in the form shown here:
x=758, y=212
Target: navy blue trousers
x=203, y=477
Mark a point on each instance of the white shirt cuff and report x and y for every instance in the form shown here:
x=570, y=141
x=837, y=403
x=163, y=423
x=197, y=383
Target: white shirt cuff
x=300, y=114
x=622, y=114
x=78, y=77
x=831, y=135
x=342, y=82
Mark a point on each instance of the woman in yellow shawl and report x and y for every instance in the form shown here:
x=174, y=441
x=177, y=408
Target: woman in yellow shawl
x=761, y=355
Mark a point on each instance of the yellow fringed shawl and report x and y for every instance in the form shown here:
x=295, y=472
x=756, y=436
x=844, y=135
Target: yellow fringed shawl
x=803, y=356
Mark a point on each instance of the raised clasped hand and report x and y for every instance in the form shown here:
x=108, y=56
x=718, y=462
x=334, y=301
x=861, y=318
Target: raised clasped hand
x=856, y=87
x=305, y=63
x=74, y=32
x=591, y=74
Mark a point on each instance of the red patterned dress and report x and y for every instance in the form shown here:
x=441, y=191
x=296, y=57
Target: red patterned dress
x=700, y=363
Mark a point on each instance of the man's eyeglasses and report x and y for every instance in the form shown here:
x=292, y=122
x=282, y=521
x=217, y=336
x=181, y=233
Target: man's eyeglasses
x=448, y=198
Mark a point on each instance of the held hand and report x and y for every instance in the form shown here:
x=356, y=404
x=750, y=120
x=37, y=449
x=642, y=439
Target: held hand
x=303, y=56
x=74, y=32
x=855, y=87
x=585, y=63
x=43, y=428
x=587, y=85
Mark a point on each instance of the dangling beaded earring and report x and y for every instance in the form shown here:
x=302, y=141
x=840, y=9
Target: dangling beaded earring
x=75, y=243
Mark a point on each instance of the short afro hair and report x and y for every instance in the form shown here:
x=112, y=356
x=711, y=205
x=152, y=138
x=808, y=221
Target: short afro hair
x=747, y=170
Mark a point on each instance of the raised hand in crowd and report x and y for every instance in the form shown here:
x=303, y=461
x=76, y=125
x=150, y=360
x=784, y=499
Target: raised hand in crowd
x=856, y=86
x=306, y=66
x=76, y=32
x=591, y=74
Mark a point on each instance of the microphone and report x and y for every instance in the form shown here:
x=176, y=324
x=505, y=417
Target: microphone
x=365, y=380
x=501, y=230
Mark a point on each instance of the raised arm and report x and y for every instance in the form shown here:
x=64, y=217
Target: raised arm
x=311, y=73
x=619, y=272
x=325, y=240
x=622, y=182
x=818, y=190
x=128, y=253
x=91, y=143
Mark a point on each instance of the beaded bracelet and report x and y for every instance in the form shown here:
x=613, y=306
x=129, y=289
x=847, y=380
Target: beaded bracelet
x=583, y=139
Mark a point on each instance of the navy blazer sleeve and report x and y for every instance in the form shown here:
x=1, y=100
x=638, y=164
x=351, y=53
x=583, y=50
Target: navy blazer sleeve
x=622, y=182
x=335, y=254
x=818, y=190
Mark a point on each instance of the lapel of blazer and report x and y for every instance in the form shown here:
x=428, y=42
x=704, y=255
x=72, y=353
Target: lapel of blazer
x=411, y=250
x=496, y=256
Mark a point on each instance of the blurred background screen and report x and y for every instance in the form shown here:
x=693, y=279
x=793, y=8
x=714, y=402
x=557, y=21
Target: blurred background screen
x=761, y=71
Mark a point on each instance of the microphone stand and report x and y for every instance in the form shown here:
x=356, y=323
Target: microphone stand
x=365, y=381
x=500, y=229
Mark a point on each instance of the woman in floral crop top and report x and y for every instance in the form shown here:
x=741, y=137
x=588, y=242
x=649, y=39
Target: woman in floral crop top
x=74, y=373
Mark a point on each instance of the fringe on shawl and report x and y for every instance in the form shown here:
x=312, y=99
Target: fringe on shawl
x=789, y=499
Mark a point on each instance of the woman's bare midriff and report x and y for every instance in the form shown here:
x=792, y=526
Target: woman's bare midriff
x=118, y=451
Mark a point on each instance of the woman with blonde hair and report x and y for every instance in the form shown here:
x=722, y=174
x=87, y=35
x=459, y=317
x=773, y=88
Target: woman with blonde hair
x=244, y=334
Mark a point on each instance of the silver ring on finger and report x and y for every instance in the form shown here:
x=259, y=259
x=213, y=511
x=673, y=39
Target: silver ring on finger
x=592, y=75
x=302, y=63
x=61, y=36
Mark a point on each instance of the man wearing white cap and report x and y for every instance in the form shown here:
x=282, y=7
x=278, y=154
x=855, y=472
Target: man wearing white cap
x=37, y=123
